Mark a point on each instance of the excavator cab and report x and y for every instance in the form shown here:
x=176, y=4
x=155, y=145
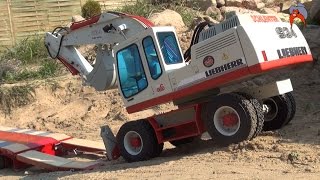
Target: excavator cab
x=144, y=61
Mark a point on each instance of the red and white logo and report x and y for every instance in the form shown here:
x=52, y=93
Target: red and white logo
x=208, y=61
x=161, y=88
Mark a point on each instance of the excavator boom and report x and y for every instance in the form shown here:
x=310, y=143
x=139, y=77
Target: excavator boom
x=105, y=31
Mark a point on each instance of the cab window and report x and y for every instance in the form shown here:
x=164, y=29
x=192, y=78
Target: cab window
x=169, y=48
x=130, y=71
x=152, y=58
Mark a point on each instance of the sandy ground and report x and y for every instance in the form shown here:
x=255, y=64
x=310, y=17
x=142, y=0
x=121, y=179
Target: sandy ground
x=66, y=107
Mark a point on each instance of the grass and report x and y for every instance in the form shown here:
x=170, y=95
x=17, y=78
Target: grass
x=140, y=8
x=46, y=70
x=29, y=52
x=188, y=15
x=15, y=96
x=293, y=156
x=52, y=85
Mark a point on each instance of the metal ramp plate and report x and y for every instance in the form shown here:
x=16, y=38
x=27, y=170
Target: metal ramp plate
x=56, y=136
x=13, y=142
x=84, y=145
x=13, y=148
x=50, y=162
x=30, y=147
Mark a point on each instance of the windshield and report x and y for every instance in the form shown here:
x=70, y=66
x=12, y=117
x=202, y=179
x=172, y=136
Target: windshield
x=169, y=48
x=130, y=71
x=152, y=58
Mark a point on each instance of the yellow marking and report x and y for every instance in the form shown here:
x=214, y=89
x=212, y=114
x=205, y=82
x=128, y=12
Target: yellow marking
x=85, y=143
x=225, y=56
x=2, y=128
x=56, y=136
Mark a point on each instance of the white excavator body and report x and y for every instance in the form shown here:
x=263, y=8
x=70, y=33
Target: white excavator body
x=238, y=48
x=207, y=82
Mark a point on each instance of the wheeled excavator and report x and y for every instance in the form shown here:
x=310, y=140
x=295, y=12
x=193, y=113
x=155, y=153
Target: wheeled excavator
x=209, y=83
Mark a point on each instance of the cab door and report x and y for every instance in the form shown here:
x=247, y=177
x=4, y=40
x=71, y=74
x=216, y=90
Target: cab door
x=159, y=80
x=133, y=82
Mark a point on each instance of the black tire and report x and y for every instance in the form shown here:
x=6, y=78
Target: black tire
x=280, y=111
x=2, y=162
x=259, y=111
x=149, y=147
x=245, y=111
x=291, y=100
x=181, y=142
x=159, y=149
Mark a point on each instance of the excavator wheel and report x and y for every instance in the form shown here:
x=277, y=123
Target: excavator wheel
x=2, y=162
x=159, y=149
x=259, y=111
x=137, y=141
x=181, y=142
x=290, y=97
x=230, y=118
x=279, y=111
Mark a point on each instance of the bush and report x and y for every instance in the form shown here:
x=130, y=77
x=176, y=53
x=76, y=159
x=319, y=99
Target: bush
x=90, y=8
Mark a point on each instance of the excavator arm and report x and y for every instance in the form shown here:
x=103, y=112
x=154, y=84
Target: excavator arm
x=105, y=31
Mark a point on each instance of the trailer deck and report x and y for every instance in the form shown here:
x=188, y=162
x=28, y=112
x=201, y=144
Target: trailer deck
x=21, y=148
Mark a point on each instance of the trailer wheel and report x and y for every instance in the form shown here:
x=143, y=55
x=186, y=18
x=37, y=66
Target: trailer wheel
x=230, y=118
x=279, y=110
x=259, y=111
x=2, y=162
x=291, y=100
x=181, y=142
x=137, y=141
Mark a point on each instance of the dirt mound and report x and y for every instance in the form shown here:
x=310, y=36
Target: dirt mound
x=168, y=18
x=64, y=105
